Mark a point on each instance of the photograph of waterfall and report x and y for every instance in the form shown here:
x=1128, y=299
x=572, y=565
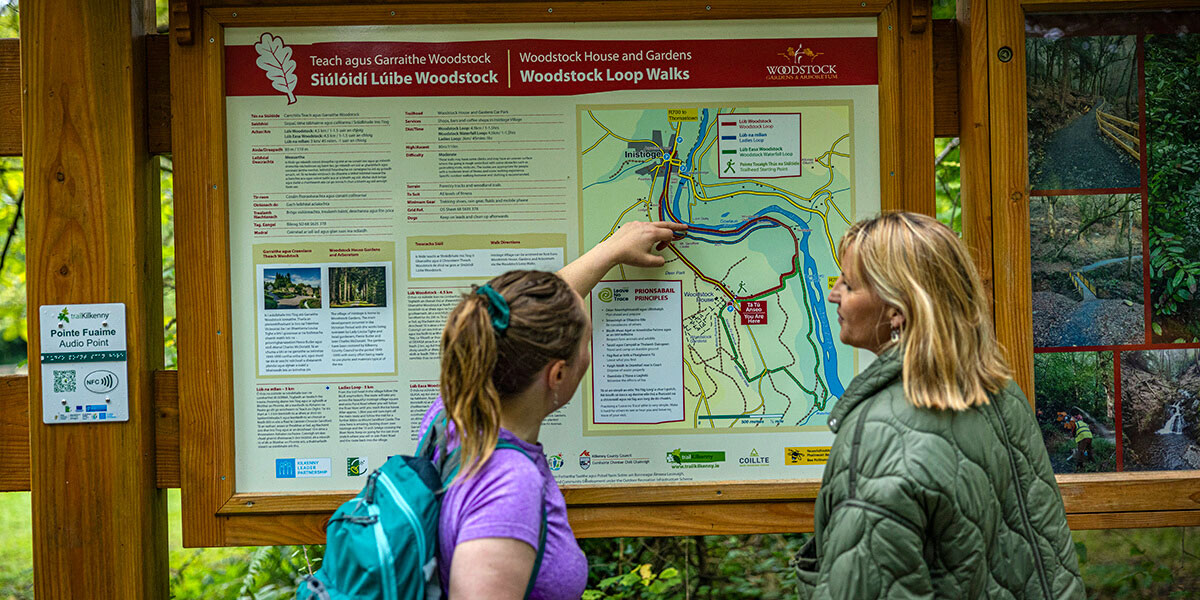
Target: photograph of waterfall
x=1074, y=395
x=1086, y=267
x=1160, y=406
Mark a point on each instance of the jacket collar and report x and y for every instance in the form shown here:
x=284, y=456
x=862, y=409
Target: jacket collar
x=878, y=375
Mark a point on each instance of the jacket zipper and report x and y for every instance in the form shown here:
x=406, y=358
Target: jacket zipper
x=1012, y=463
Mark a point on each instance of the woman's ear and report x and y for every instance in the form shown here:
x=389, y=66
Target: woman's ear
x=895, y=318
x=556, y=373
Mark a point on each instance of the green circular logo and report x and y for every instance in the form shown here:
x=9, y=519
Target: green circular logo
x=605, y=295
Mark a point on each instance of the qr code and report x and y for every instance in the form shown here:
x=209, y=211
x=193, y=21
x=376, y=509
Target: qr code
x=64, y=381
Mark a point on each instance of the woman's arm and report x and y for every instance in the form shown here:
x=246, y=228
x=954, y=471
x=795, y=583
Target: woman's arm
x=491, y=568
x=633, y=244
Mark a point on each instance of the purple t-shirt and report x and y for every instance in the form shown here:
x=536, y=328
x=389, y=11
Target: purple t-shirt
x=503, y=500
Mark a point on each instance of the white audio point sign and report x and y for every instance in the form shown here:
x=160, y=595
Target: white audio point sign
x=85, y=371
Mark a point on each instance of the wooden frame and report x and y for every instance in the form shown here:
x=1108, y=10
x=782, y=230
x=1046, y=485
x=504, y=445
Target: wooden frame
x=213, y=513
x=991, y=122
x=995, y=151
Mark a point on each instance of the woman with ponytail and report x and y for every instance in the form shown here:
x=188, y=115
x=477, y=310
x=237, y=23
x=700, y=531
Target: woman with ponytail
x=938, y=484
x=514, y=351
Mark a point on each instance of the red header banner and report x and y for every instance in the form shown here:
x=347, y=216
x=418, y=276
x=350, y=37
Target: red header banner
x=541, y=67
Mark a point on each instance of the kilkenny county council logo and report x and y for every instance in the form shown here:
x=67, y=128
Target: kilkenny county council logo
x=585, y=460
x=555, y=461
x=605, y=295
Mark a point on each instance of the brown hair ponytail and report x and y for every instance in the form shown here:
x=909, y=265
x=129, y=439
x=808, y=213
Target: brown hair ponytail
x=482, y=366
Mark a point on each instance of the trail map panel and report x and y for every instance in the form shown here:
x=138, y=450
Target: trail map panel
x=376, y=173
x=758, y=347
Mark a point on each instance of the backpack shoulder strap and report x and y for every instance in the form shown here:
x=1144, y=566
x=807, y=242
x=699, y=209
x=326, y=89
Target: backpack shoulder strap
x=541, y=550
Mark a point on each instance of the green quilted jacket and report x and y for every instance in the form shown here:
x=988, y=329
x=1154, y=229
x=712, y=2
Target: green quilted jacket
x=920, y=503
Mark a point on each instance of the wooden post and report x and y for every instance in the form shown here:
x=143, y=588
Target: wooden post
x=975, y=136
x=99, y=521
x=1010, y=186
x=916, y=107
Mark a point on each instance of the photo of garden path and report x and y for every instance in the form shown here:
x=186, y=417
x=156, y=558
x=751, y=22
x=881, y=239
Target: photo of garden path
x=291, y=288
x=1076, y=386
x=1173, y=185
x=1082, y=98
x=357, y=287
x=1086, y=267
x=1160, y=409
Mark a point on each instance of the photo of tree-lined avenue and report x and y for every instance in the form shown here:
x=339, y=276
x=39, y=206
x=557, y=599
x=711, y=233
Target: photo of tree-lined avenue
x=292, y=288
x=1160, y=406
x=1173, y=184
x=1086, y=255
x=1082, y=96
x=357, y=287
x=1071, y=388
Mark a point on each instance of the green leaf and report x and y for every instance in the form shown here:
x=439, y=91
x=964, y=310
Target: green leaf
x=1157, y=328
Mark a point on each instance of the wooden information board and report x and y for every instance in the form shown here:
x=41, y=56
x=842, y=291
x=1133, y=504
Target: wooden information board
x=260, y=224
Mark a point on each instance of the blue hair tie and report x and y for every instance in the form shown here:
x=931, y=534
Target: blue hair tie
x=497, y=307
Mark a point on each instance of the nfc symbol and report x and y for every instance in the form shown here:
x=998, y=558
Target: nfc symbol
x=100, y=382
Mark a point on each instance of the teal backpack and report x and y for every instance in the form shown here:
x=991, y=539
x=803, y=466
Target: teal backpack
x=382, y=544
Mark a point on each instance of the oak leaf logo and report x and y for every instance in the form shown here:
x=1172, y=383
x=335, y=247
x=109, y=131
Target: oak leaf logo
x=276, y=59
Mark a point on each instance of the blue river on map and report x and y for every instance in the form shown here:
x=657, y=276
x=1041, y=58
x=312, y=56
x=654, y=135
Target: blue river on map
x=812, y=279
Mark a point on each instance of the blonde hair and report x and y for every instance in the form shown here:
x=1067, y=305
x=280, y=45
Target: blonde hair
x=918, y=266
x=482, y=366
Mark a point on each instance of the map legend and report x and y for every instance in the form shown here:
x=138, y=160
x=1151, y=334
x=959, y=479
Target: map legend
x=759, y=145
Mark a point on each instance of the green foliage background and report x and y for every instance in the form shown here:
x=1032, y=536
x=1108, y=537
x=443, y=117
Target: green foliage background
x=1172, y=123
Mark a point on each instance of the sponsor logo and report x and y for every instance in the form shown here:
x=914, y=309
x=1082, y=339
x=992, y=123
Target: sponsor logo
x=598, y=459
x=679, y=458
x=64, y=316
x=356, y=465
x=555, y=461
x=808, y=455
x=754, y=460
x=285, y=468
x=291, y=468
x=605, y=295
x=585, y=460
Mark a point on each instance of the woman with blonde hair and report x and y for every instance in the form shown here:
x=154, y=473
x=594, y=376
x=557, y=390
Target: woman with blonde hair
x=938, y=484
x=514, y=351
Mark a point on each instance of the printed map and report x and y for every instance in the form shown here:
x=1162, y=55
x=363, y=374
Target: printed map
x=766, y=191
